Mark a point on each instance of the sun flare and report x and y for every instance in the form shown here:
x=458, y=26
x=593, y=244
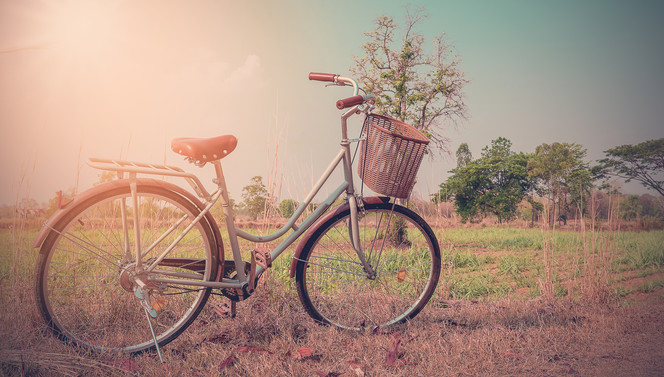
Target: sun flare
x=81, y=32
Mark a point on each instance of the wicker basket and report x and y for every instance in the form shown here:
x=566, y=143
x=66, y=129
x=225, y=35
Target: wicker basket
x=390, y=156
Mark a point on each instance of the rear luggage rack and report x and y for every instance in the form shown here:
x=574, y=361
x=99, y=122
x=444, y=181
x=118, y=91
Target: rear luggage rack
x=122, y=166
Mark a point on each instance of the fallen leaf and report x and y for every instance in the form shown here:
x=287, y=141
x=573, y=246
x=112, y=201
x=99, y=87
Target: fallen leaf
x=393, y=352
x=220, y=339
x=228, y=362
x=303, y=352
x=401, y=275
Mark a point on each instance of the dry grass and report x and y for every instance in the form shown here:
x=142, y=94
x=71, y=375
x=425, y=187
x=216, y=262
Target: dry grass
x=592, y=332
x=273, y=336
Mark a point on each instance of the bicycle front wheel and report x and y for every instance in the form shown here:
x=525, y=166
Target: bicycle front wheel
x=88, y=276
x=403, y=253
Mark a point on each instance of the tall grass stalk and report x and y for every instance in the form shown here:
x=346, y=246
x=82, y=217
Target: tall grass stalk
x=274, y=179
x=20, y=221
x=548, y=240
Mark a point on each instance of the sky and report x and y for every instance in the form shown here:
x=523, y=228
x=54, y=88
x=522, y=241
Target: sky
x=120, y=79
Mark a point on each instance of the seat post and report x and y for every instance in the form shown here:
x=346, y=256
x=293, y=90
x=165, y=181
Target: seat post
x=220, y=174
x=221, y=183
x=230, y=220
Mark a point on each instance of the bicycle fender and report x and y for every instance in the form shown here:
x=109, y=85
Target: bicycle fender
x=48, y=226
x=321, y=220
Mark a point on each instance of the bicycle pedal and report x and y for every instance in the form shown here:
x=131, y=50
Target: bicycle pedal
x=263, y=258
x=227, y=310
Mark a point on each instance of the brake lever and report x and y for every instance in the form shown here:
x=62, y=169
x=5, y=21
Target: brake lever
x=338, y=84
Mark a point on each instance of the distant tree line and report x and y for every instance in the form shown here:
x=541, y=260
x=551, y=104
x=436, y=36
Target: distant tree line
x=556, y=180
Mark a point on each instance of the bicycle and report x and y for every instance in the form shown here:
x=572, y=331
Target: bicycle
x=137, y=249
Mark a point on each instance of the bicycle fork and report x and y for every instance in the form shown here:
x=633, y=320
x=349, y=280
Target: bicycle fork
x=354, y=229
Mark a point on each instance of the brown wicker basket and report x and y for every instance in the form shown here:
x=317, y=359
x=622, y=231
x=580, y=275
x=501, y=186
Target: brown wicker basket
x=390, y=156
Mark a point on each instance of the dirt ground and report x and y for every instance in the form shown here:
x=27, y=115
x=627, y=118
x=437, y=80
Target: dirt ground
x=637, y=349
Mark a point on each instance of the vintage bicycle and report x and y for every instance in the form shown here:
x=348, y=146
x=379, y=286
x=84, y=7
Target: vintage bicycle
x=129, y=264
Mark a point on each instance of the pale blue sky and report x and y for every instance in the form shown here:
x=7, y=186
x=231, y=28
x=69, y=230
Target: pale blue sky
x=121, y=78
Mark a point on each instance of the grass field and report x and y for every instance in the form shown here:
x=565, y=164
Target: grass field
x=510, y=302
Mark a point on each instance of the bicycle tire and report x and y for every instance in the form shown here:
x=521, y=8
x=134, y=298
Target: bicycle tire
x=335, y=289
x=81, y=269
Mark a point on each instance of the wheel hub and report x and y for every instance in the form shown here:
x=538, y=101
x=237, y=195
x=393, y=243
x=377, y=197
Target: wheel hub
x=128, y=277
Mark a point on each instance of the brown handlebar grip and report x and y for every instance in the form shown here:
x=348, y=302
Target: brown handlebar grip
x=322, y=76
x=350, y=101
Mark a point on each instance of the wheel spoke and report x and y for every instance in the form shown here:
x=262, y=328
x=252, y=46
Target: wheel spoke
x=336, y=290
x=86, y=284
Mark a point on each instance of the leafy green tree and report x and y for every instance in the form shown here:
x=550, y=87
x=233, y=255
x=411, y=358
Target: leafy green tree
x=630, y=208
x=560, y=170
x=495, y=183
x=463, y=155
x=536, y=207
x=643, y=162
x=255, y=197
x=577, y=189
x=416, y=87
x=287, y=207
x=652, y=206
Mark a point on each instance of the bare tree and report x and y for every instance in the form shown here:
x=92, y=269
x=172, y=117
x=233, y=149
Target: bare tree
x=415, y=87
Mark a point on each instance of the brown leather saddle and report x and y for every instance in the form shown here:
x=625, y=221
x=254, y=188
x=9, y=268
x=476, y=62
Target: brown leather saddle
x=202, y=150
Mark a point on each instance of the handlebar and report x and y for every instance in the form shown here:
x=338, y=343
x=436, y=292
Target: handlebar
x=350, y=102
x=323, y=76
x=343, y=81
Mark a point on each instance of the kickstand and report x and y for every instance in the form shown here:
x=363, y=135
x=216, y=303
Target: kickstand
x=147, y=316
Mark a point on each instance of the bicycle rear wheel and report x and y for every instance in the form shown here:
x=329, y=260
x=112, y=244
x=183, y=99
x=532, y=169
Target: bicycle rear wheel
x=400, y=247
x=87, y=276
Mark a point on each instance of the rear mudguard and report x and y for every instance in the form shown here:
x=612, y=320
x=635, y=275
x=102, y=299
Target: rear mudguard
x=51, y=223
x=328, y=215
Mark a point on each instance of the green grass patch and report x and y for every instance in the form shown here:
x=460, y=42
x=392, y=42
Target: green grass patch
x=477, y=286
x=494, y=239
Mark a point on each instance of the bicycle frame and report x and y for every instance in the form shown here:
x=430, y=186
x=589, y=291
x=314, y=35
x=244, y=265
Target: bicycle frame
x=343, y=157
